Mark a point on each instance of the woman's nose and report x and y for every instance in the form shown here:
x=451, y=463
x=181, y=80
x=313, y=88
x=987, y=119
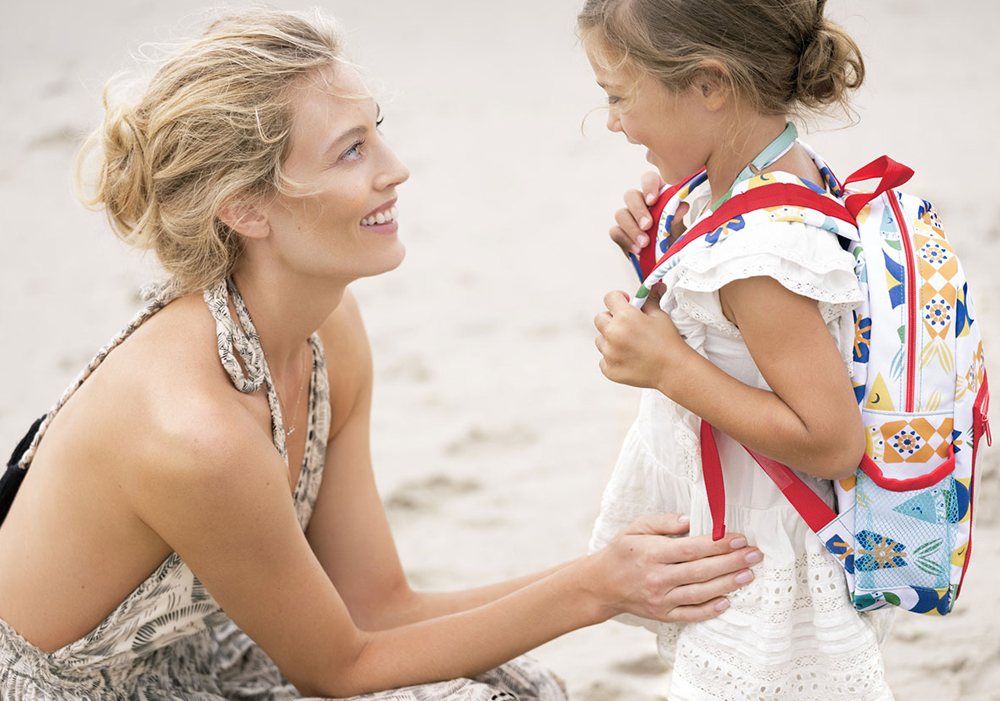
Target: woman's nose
x=394, y=173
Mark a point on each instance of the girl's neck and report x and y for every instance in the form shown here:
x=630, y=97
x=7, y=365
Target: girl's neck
x=750, y=136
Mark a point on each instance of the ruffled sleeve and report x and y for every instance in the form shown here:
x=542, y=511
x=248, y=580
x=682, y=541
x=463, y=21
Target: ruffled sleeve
x=805, y=259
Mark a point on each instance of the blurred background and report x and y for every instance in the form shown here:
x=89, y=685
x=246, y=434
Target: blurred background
x=493, y=429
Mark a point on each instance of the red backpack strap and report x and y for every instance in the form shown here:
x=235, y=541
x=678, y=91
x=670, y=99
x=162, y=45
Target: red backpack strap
x=647, y=256
x=715, y=487
x=763, y=197
x=810, y=506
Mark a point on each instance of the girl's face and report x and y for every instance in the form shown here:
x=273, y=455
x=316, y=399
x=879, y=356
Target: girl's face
x=675, y=127
x=344, y=226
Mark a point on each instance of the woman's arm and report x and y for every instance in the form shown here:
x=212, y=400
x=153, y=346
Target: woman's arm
x=349, y=532
x=810, y=421
x=222, y=501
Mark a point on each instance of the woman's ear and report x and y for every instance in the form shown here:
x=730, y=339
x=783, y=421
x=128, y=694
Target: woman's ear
x=712, y=83
x=245, y=218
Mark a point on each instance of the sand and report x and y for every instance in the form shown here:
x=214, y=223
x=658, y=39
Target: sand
x=493, y=430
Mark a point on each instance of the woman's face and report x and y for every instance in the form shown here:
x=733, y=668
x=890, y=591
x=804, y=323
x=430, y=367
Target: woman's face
x=345, y=225
x=674, y=126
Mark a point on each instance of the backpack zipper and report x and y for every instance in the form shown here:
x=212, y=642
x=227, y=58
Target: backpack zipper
x=911, y=303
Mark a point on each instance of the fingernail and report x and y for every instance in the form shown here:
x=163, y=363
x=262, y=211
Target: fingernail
x=739, y=543
x=650, y=198
x=754, y=556
x=644, y=222
x=722, y=605
x=635, y=249
x=744, y=577
x=643, y=240
x=683, y=518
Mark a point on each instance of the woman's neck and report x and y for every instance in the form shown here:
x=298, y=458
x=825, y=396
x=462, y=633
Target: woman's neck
x=286, y=309
x=732, y=155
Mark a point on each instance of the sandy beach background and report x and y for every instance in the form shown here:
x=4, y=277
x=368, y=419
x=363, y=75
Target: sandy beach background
x=493, y=429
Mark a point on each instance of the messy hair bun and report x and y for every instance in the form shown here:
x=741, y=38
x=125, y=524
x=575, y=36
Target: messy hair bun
x=212, y=125
x=830, y=65
x=779, y=55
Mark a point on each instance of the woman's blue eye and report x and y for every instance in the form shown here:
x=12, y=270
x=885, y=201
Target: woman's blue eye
x=353, y=153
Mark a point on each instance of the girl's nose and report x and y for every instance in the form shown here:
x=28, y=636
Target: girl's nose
x=614, y=123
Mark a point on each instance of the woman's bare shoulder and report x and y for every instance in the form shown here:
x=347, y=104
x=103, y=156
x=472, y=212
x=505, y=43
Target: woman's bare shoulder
x=166, y=398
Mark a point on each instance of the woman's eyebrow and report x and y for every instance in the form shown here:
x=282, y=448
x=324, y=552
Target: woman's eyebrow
x=360, y=129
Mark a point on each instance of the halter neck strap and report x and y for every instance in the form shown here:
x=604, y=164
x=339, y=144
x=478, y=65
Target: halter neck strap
x=765, y=159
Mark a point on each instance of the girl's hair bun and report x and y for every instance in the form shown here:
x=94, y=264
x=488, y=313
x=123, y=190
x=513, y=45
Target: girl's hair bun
x=830, y=65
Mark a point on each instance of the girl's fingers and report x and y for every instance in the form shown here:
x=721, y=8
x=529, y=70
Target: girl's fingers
x=639, y=212
x=627, y=223
x=602, y=320
x=651, y=183
x=622, y=240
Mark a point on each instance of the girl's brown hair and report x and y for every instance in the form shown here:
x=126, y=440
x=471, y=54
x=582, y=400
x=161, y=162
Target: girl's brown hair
x=779, y=55
x=211, y=126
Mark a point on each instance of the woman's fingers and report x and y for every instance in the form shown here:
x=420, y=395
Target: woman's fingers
x=700, y=601
x=697, y=547
x=709, y=568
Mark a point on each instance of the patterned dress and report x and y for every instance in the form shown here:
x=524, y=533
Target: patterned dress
x=169, y=639
x=792, y=634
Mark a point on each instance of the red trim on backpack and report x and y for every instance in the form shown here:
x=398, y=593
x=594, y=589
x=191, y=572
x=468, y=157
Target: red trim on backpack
x=980, y=428
x=870, y=468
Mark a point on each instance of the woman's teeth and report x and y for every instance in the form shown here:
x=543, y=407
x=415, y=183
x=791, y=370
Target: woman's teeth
x=381, y=218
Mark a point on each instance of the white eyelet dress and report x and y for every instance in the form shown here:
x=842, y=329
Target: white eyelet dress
x=169, y=639
x=792, y=634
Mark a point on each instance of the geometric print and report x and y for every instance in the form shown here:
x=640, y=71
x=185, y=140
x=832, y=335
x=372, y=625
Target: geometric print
x=916, y=440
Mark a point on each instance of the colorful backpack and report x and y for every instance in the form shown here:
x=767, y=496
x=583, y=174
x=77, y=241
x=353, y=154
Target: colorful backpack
x=902, y=529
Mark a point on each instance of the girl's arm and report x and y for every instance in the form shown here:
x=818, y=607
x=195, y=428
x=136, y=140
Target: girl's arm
x=349, y=532
x=809, y=421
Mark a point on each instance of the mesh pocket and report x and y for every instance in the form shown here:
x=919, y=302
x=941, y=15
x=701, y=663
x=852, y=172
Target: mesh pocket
x=905, y=539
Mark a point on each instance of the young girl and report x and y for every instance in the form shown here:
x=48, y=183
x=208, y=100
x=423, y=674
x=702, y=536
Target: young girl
x=752, y=334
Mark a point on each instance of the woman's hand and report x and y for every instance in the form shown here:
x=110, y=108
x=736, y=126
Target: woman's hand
x=639, y=347
x=647, y=573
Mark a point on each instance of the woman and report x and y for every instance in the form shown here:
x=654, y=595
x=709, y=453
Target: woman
x=176, y=534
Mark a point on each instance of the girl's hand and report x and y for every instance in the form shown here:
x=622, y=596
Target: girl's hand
x=633, y=227
x=644, y=573
x=639, y=347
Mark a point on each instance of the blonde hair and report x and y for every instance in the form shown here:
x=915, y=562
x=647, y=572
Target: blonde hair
x=212, y=126
x=779, y=55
